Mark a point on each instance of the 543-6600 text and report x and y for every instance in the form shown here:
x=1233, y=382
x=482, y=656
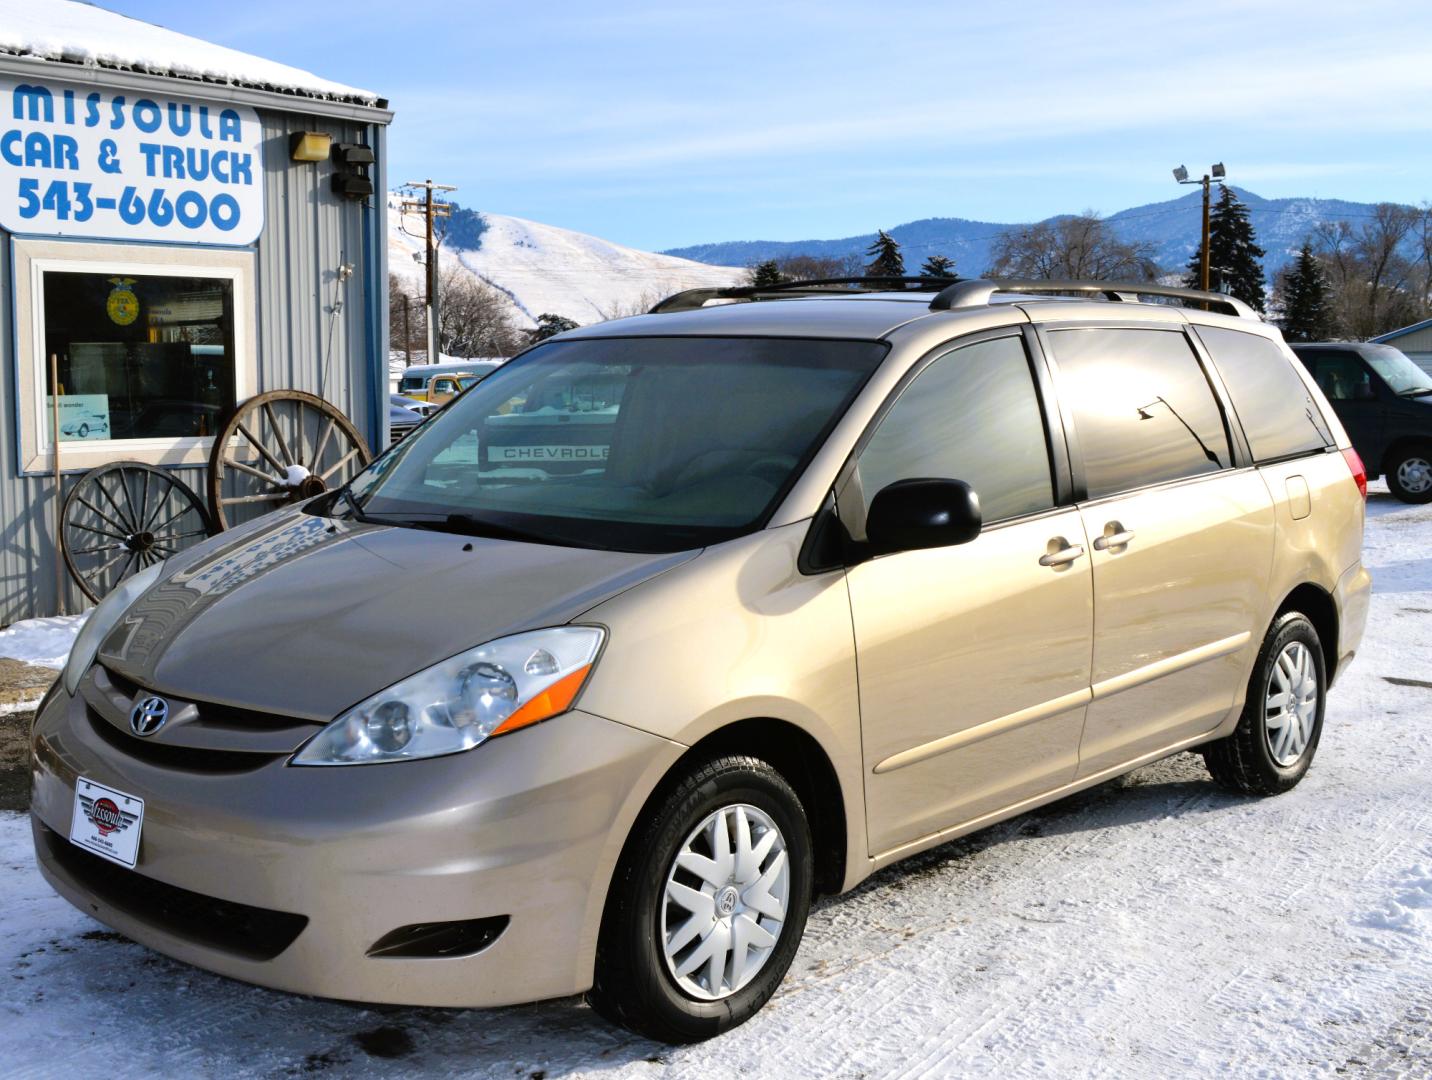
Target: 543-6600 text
x=76, y=201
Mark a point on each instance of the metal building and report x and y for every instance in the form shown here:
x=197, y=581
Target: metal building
x=170, y=242
x=1414, y=340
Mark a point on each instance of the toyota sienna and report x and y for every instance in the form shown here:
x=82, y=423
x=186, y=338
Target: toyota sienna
x=674, y=622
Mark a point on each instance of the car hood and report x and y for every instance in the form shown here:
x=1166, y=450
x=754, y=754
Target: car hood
x=305, y=616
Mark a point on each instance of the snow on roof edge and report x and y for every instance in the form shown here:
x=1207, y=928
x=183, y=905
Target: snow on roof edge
x=79, y=34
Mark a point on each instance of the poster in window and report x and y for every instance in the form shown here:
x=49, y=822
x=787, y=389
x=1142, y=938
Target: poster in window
x=82, y=416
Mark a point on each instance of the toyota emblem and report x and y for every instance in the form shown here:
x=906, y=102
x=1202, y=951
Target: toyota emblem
x=148, y=715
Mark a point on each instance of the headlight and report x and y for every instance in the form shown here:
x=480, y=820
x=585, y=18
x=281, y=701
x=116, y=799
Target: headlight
x=463, y=701
x=102, y=620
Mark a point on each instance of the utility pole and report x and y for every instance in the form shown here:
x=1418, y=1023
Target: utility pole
x=1217, y=172
x=431, y=211
x=407, y=329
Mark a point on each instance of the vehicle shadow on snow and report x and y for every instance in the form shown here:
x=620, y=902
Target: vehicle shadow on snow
x=252, y=1031
x=1175, y=787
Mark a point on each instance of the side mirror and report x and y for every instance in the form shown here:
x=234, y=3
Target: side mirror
x=913, y=514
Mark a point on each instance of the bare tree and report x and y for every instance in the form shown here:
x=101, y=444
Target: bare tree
x=475, y=319
x=636, y=305
x=407, y=318
x=816, y=267
x=1077, y=247
x=1375, y=282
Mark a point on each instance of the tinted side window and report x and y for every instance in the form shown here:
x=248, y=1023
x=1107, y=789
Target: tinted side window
x=972, y=415
x=1278, y=414
x=1342, y=376
x=1143, y=410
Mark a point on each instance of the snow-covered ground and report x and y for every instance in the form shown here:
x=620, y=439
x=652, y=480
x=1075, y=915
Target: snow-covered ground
x=543, y=268
x=41, y=641
x=1153, y=927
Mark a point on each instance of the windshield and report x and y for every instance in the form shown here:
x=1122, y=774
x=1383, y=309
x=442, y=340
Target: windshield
x=631, y=444
x=1400, y=373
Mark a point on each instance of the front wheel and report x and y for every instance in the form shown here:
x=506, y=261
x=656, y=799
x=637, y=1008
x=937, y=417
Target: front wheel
x=1409, y=473
x=708, y=905
x=1282, y=721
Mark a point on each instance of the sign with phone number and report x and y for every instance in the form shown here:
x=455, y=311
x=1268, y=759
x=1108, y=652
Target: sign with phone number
x=118, y=166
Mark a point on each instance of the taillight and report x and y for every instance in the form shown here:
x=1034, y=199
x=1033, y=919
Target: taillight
x=1359, y=473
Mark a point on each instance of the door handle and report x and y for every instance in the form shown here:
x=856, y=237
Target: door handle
x=1062, y=556
x=1119, y=538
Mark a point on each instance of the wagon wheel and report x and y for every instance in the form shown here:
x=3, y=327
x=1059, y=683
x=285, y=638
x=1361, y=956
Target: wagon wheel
x=278, y=448
x=124, y=516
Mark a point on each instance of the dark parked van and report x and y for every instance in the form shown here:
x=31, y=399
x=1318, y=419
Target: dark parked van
x=1384, y=401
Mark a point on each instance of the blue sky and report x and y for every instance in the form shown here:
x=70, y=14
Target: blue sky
x=664, y=124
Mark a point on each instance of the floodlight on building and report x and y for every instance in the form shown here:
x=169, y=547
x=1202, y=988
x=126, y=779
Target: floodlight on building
x=310, y=145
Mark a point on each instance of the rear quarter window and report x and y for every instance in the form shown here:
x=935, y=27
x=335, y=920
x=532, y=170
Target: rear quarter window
x=1279, y=416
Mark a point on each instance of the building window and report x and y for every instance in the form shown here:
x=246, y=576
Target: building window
x=149, y=347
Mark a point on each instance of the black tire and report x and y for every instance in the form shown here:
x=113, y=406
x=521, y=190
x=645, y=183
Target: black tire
x=84, y=430
x=1244, y=761
x=633, y=985
x=1418, y=454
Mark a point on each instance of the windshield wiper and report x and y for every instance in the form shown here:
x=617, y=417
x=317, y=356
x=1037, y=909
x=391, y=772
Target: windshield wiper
x=346, y=494
x=463, y=524
x=1415, y=391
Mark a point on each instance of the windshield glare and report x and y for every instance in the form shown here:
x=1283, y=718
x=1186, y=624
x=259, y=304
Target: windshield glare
x=632, y=444
x=1400, y=373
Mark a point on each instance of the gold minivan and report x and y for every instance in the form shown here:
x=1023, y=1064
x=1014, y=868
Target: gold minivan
x=674, y=622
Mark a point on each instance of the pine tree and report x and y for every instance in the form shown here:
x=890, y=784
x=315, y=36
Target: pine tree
x=767, y=273
x=1234, y=256
x=939, y=266
x=886, y=260
x=549, y=325
x=1307, y=312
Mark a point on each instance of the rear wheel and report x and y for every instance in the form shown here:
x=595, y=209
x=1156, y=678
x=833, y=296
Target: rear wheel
x=1282, y=721
x=708, y=905
x=1409, y=473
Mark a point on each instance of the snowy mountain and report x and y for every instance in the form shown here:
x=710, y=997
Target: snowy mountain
x=1172, y=227
x=543, y=268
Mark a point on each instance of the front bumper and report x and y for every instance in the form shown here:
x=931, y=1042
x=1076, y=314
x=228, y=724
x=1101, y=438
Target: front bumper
x=528, y=826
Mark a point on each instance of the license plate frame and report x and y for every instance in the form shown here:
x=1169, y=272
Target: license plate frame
x=107, y=822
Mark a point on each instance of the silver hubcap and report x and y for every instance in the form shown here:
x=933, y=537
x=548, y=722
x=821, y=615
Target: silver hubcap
x=1415, y=475
x=725, y=902
x=1292, y=705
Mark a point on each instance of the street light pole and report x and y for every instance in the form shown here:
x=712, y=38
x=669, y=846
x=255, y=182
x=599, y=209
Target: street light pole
x=1217, y=172
x=1203, y=263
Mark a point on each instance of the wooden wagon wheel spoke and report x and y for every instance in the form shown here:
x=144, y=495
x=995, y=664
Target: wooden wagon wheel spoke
x=230, y=463
x=99, y=548
x=288, y=458
x=288, y=421
x=101, y=514
x=91, y=528
x=344, y=460
x=127, y=524
x=144, y=494
x=323, y=440
x=261, y=448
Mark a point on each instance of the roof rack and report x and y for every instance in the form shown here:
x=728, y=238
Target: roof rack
x=978, y=293
x=695, y=298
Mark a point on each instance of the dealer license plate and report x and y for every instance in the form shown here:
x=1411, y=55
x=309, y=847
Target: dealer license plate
x=107, y=822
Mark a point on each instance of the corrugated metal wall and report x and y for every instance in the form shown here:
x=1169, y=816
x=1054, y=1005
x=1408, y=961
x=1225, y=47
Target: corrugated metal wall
x=316, y=332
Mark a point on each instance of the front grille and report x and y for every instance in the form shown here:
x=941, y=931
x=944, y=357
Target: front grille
x=213, y=714
x=396, y=432
x=254, y=933
x=185, y=758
